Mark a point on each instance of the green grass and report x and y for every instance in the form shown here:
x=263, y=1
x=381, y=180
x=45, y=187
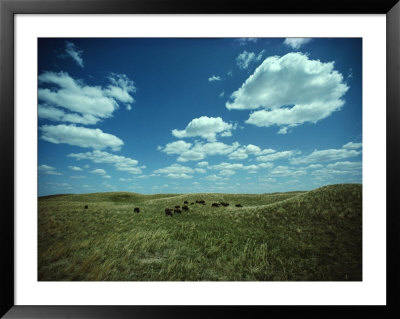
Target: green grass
x=295, y=236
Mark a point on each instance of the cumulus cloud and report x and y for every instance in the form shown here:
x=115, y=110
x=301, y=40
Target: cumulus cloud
x=80, y=136
x=77, y=177
x=275, y=156
x=290, y=90
x=214, y=78
x=339, y=168
x=48, y=170
x=286, y=171
x=213, y=178
x=244, y=41
x=121, y=163
x=176, y=171
x=222, y=94
x=75, y=168
x=198, y=151
x=202, y=164
x=76, y=54
x=70, y=100
x=296, y=43
x=179, y=176
x=325, y=156
x=245, y=58
x=230, y=168
x=250, y=149
x=205, y=127
x=352, y=146
x=98, y=171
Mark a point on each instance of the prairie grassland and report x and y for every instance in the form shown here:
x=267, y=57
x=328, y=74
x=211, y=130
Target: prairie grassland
x=295, y=236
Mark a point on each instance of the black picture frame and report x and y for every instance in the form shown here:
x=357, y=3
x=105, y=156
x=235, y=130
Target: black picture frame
x=9, y=8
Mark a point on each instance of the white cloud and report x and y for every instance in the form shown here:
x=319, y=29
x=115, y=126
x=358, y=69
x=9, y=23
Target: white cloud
x=98, y=171
x=202, y=164
x=226, y=166
x=227, y=172
x=325, y=156
x=214, y=78
x=200, y=170
x=212, y=178
x=175, y=169
x=315, y=166
x=296, y=43
x=250, y=149
x=266, y=165
x=78, y=177
x=80, y=136
x=198, y=151
x=205, y=127
x=120, y=88
x=352, y=146
x=106, y=176
x=76, y=54
x=128, y=107
x=75, y=168
x=222, y=94
x=244, y=59
x=274, y=156
x=179, y=176
x=286, y=171
x=177, y=147
x=73, y=101
x=121, y=163
x=291, y=90
x=48, y=170
x=244, y=41
x=339, y=168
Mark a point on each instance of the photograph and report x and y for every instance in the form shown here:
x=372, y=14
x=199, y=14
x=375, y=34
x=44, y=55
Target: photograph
x=229, y=159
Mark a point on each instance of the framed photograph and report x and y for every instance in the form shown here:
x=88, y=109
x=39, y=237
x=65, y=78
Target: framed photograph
x=189, y=159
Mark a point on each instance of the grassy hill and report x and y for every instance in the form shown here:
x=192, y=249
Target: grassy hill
x=294, y=236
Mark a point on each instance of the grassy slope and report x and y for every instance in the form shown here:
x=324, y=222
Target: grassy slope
x=312, y=235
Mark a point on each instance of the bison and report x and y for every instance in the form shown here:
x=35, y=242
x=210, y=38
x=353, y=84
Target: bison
x=185, y=208
x=191, y=203
x=238, y=205
x=214, y=205
x=177, y=206
x=224, y=204
x=86, y=207
x=177, y=211
x=186, y=202
x=168, y=212
x=136, y=210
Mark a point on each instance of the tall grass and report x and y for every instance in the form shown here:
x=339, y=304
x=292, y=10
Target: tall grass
x=310, y=236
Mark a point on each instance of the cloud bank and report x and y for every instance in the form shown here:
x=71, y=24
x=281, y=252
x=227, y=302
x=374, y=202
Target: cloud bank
x=290, y=90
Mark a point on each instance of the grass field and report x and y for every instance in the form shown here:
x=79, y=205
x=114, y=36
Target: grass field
x=295, y=236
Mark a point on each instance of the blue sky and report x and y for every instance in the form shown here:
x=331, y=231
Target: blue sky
x=226, y=115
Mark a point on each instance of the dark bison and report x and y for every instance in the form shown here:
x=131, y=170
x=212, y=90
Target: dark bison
x=185, y=208
x=168, y=211
x=86, y=207
x=177, y=211
x=200, y=202
x=214, y=205
x=177, y=206
x=224, y=204
x=191, y=203
x=136, y=210
x=186, y=202
x=238, y=205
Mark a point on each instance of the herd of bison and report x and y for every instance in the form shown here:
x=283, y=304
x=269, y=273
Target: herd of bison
x=185, y=207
